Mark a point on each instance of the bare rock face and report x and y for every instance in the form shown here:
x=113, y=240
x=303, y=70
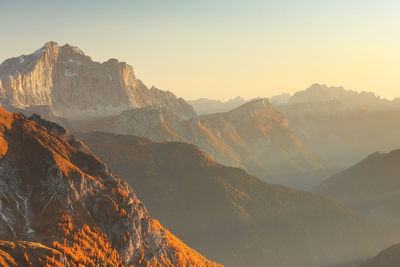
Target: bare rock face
x=75, y=87
x=55, y=192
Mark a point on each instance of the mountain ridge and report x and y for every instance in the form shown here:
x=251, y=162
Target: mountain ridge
x=253, y=136
x=244, y=221
x=57, y=193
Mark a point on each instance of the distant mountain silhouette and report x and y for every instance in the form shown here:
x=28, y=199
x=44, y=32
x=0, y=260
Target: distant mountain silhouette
x=204, y=106
x=322, y=93
x=340, y=134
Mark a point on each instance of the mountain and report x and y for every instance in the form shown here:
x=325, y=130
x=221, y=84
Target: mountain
x=280, y=99
x=229, y=215
x=386, y=258
x=341, y=134
x=74, y=87
x=323, y=93
x=370, y=188
x=253, y=136
x=69, y=207
x=342, y=126
x=204, y=106
x=63, y=85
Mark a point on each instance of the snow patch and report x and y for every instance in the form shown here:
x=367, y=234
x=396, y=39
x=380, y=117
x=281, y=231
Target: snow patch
x=21, y=59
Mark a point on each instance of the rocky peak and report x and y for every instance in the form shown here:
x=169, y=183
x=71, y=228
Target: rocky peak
x=75, y=87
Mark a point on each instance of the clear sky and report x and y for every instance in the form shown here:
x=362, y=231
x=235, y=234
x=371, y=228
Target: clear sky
x=220, y=48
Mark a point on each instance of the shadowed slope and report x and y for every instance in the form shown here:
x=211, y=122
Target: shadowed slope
x=229, y=215
x=371, y=188
x=386, y=258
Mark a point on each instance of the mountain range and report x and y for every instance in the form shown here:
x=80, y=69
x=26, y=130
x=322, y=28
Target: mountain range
x=253, y=136
x=61, y=206
x=343, y=126
x=62, y=202
x=229, y=215
x=64, y=85
x=322, y=93
x=340, y=126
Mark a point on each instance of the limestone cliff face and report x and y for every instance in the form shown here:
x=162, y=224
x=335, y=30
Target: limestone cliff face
x=75, y=87
x=55, y=192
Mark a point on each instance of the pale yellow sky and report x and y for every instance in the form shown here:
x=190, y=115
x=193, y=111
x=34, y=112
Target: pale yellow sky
x=221, y=49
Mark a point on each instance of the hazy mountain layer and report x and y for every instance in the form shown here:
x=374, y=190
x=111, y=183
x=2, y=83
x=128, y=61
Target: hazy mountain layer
x=229, y=215
x=322, y=93
x=57, y=193
x=340, y=134
x=371, y=188
x=204, y=106
x=73, y=86
x=253, y=136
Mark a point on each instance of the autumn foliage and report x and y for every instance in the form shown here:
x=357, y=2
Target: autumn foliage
x=83, y=246
x=184, y=256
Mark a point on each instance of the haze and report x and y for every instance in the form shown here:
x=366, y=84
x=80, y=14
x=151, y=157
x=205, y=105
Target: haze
x=220, y=49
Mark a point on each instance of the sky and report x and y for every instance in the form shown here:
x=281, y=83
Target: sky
x=219, y=49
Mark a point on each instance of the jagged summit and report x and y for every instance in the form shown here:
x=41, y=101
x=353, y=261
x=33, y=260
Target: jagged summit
x=75, y=87
x=323, y=93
